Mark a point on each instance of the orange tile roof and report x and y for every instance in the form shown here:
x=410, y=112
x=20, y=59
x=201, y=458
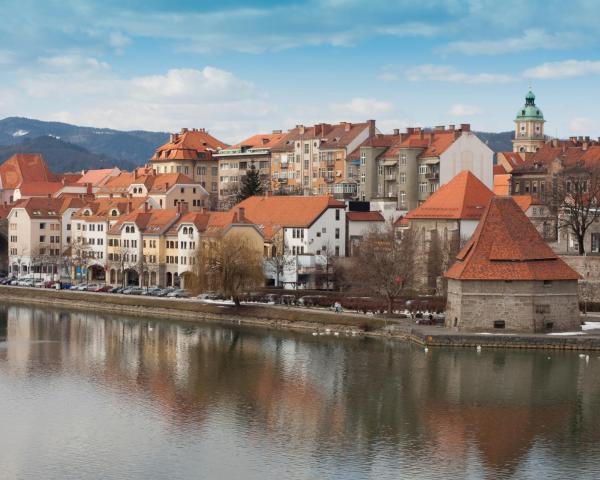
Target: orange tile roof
x=97, y=177
x=365, y=216
x=69, y=178
x=464, y=197
x=154, y=221
x=432, y=143
x=286, y=211
x=513, y=159
x=199, y=219
x=507, y=246
x=164, y=181
x=499, y=170
x=39, y=189
x=101, y=208
x=25, y=167
x=195, y=144
x=261, y=140
x=379, y=140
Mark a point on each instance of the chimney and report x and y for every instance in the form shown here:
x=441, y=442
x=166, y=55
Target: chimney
x=242, y=212
x=235, y=217
x=110, y=195
x=451, y=127
x=49, y=195
x=173, y=137
x=431, y=137
x=347, y=126
x=88, y=188
x=410, y=130
x=276, y=132
x=129, y=207
x=146, y=207
x=371, y=127
x=465, y=127
x=300, y=129
x=396, y=132
x=62, y=180
x=440, y=128
x=421, y=134
x=166, y=185
x=184, y=130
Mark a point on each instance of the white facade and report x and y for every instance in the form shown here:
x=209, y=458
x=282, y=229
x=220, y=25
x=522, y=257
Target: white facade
x=468, y=152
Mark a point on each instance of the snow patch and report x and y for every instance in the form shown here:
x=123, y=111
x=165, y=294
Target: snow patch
x=20, y=133
x=566, y=333
x=591, y=326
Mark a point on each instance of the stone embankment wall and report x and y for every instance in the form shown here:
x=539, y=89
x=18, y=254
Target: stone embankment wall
x=181, y=309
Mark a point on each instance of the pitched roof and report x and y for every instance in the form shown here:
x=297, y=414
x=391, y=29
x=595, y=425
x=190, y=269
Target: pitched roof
x=286, y=211
x=261, y=140
x=507, y=246
x=102, y=208
x=195, y=144
x=41, y=207
x=502, y=184
x=432, y=143
x=329, y=136
x=464, y=197
x=25, y=167
x=499, y=170
x=154, y=221
x=379, y=140
x=199, y=219
x=39, y=189
x=98, y=177
x=365, y=216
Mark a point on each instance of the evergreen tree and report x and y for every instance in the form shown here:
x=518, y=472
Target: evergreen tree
x=250, y=184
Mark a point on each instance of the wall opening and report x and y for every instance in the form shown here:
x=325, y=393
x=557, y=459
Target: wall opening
x=499, y=324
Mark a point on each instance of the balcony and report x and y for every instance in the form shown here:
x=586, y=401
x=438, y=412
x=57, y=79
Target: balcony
x=390, y=177
x=432, y=176
x=283, y=179
x=284, y=165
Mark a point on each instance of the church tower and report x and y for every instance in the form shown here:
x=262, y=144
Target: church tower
x=529, y=127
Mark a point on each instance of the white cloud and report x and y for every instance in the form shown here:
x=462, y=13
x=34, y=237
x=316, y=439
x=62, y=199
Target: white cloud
x=565, y=69
x=91, y=93
x=362, y=106
x=118, y=40
x=411, y=29
x=582, y=125
x=462, y=110
x=447, y=73
x=532, y=39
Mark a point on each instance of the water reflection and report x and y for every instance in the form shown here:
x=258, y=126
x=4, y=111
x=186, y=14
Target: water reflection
x=171, y=400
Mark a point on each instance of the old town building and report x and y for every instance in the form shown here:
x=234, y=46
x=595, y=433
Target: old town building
x=529, y=127
x=508, y=278
x=315, y=160
x=190, y=152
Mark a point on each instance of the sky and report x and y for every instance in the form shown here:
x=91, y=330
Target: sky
x=238, y=68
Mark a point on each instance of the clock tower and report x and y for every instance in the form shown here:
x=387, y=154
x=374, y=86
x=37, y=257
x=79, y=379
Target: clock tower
x=529, y=127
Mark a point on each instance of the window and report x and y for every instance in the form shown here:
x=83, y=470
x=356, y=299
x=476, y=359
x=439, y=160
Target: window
x=499, y=324
x=379, y=169
x=517, y=187
x=337, y=216
x=42, y=226
x=422, y=169
x=403, y=159
x=596, y=242
x=337, y=251
x=423, y=187
x=306, y=147
x=42, y=238
x=403, y=177
x=547, y=283
x=402, y=198
x=363, y=158
x=337, y=233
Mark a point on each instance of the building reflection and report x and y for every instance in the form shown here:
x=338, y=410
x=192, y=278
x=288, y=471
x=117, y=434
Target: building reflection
x=354, y=399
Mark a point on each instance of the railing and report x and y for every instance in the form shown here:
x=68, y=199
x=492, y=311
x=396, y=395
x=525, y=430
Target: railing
x=390, y=176
x=432, y=175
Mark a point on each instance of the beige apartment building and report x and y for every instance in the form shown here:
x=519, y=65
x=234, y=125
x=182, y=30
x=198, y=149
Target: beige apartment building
x=315, y=160
x=190, y=152
x=235, y=160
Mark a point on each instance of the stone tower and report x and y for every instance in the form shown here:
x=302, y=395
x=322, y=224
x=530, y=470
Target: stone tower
x=529, y=127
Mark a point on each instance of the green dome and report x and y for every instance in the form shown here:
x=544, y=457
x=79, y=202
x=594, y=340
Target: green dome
x=530, y=111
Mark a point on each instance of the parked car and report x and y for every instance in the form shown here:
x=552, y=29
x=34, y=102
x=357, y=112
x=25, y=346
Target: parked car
x=165, y=291
x=104, y=288
x=25, y=282
x=91, y=287
x=271, y=298
x=152, y=291
x=208, y=296
x=179, y=293
x=133, y=291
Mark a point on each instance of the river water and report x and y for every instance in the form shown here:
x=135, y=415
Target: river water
x=97, y=396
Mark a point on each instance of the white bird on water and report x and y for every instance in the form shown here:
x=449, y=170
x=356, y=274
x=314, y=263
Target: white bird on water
x=478, y=349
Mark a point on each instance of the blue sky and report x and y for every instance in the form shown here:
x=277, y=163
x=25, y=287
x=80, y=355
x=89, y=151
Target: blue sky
x=237, y=68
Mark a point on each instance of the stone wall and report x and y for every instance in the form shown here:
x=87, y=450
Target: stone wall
x=524, y=306
x=589, y=268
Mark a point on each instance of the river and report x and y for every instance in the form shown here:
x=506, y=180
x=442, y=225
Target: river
x=98, y=396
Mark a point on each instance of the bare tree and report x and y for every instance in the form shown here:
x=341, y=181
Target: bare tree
x=577, y=193
x=229, y=265
x=80, y=253
x=386, y=263
x=279, y=263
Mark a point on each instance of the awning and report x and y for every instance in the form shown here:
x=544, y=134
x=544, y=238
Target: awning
x=389, y=163
x=431, y=161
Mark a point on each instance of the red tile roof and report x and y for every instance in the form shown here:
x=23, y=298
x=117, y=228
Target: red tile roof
x=513, y=159
x=261, y=140
x=39, y=189
x=97, y=177
x=432, y=143
x=365, y=216
x=379, y=140
x=154, y=221
x=25, y=167
x=464, y=197
x=40, y=207
x=507, y=246
x=499, y=170
x=196, y=144
x=286, y=211
x=329, y=136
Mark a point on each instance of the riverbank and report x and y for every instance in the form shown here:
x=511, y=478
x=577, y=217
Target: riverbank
x=307, y=320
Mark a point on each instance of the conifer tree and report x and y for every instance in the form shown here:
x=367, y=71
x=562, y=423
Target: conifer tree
x=250, y=184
